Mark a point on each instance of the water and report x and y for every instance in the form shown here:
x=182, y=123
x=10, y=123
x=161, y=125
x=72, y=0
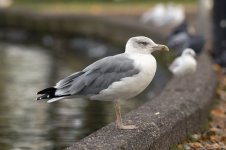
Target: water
x=29, y=124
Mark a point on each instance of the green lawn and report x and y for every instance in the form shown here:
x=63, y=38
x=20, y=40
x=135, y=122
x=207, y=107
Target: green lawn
x=93, y=6
x=102, y=1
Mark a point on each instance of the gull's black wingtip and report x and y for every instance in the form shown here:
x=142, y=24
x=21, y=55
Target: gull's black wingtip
x=45, y=96
x=47, y=90
x=47, y=93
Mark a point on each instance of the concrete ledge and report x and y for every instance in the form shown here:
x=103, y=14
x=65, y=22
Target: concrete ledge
x=183, y=108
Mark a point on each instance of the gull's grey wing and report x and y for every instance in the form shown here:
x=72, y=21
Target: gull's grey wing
x=66, y=81
x=97, y=76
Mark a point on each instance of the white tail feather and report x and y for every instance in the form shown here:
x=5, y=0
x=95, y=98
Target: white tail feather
x=54, y=99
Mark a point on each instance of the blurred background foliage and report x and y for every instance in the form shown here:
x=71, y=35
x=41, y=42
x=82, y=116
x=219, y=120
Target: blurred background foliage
x=126, y=1
x=96, y=6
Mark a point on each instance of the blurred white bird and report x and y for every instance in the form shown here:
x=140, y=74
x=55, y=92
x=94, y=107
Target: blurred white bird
x=175, y=14
x=5, y=3
x=185, y=64
x=162, y=15
x=154, y=15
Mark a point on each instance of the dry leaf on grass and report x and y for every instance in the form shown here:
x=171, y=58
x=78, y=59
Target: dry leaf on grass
x=214, y=146
x=218, y=113
x=217, y=68
x=196, y=145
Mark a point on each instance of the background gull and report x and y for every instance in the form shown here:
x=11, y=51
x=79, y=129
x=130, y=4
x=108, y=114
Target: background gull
x=184, y=36
x=185, y=64
x=5, y=3
x=154, y=15
x=164, y=15
x=174, y=14
x=113, y=78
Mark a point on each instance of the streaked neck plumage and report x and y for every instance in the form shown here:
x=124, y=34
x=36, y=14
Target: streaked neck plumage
x=130, y=49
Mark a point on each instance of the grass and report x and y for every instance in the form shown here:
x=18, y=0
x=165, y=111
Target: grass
x=92, y=7
x=103, y=1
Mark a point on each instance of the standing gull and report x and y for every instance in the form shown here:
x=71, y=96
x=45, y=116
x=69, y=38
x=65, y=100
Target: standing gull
x=185, y=64
x=112, y=78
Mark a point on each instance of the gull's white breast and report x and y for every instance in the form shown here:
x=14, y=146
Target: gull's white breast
x=187, y=65
x=129, y=87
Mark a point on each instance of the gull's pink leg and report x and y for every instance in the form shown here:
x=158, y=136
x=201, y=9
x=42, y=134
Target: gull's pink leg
x=119, y=118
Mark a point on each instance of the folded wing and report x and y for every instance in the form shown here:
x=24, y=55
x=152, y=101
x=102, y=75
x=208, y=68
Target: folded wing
x=97, y=76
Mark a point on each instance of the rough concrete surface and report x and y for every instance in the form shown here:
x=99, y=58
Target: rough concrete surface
x=183, y=108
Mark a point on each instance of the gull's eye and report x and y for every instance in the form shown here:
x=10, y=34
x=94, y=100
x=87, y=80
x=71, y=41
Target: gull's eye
x=143, y=43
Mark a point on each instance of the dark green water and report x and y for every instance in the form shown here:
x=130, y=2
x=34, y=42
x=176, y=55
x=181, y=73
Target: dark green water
x=29, y=124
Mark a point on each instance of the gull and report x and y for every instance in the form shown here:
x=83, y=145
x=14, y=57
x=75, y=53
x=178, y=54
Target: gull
x=155, y=14
x=5, y=3
x=184, y=36
x=183, y=27
x=185, y=64
x=175, y=14
x=161, y=15
x=113, y=78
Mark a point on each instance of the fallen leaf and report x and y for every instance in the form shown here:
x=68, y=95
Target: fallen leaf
x=196, y=145
x=218, y=112
x=195, y=137
x=217, y=68
x=214, y=146
x=214, y=138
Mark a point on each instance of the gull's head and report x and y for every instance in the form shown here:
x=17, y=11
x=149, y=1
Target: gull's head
x=189, y=52
x=143, y=45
